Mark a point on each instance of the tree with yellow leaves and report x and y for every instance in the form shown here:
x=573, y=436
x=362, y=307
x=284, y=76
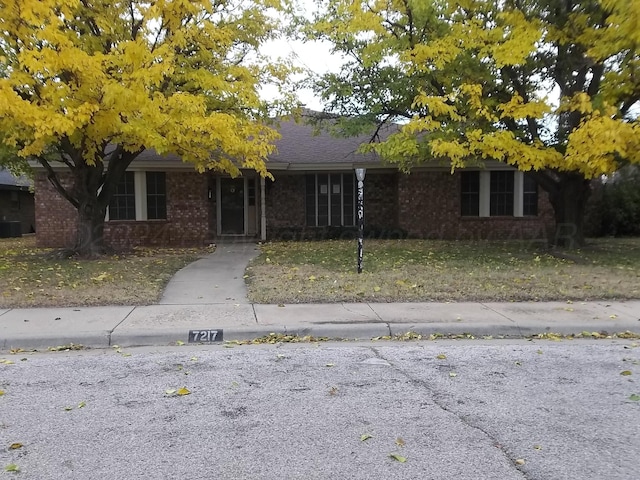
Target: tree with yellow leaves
x=548, y=86
x=88, y=85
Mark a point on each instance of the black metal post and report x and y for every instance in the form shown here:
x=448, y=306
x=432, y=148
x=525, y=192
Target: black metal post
x=360, y=223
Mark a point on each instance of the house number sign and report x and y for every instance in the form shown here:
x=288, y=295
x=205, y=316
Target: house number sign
x=205, y=336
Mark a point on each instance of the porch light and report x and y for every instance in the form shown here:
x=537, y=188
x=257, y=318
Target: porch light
x=360, y=173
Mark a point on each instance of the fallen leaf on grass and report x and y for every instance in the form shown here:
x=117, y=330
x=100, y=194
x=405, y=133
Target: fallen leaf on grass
x=15, y=446
x=365, y=437
x=12, y=467
x=397, y=458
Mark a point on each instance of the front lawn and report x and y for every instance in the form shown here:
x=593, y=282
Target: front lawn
x=29, y=278
x=434, y=270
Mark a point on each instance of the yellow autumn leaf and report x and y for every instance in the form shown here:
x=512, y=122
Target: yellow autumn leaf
x=183, y=391
x=441, y=356
x=397, y=458
x=15, y=446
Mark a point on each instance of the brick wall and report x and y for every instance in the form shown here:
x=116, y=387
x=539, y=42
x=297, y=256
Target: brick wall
x=285, y=199
x=429, y=207
x=425, y=204
x=187, y=220
x=381, y=200
x=55, y=216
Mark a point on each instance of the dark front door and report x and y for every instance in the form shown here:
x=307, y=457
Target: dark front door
x=232, y=206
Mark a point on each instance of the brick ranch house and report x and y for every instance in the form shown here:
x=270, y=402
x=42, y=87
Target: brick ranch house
x=163, y=202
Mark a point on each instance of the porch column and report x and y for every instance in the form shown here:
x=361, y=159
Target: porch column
x=263, y=211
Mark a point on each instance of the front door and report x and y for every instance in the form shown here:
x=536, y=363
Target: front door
x=232, y=201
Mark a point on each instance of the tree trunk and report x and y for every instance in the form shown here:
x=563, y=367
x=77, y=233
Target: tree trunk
x=90, y=229
x=569, y=198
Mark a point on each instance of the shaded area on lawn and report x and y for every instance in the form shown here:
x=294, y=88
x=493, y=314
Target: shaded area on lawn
x=29, y=277
x=436, y=270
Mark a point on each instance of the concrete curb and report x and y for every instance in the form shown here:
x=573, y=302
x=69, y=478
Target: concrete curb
x=102, y=327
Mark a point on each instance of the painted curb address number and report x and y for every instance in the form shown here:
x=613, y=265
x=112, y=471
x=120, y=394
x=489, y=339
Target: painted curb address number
x=205, y=336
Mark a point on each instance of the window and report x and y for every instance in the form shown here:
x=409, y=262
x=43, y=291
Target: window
x=470, y=200
x=330, y=199
x=140, y=196
x=529, y=196
x=123, y=202
x=501, y=196
x=498, y=193
x=156, y=196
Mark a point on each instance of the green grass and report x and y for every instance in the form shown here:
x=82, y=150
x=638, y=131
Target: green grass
x=30, y=278
x=424, y=270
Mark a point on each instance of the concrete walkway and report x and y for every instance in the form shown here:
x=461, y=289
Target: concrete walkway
x=210, y=295
x=218, y=278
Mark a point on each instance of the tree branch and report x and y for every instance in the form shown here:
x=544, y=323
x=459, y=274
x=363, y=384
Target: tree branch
x=52, y=176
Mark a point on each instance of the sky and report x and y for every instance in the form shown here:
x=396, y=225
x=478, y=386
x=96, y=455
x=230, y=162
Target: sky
x=315, y=56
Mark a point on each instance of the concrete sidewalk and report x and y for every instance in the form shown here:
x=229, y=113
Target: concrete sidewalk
x=164, y=324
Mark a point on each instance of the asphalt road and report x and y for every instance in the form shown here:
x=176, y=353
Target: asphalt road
x=482, y=410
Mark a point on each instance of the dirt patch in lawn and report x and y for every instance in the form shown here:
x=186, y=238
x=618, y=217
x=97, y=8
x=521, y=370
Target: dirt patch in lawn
x=423, y=270
x=29, y=277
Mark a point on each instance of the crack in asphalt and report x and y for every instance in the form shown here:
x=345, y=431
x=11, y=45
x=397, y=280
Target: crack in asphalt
x=441, y=405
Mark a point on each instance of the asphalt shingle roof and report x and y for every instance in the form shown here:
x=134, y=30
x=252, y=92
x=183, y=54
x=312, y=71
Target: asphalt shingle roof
x=302, y=144
x=9, y=180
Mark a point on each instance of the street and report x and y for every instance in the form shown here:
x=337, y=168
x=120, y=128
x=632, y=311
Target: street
x=483, y=409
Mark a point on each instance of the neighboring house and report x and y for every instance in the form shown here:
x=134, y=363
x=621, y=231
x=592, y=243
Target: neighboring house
x=163, y=201
x=16, y=204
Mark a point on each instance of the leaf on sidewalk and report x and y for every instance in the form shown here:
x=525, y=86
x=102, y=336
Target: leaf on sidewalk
x=364, y=437
x=634, y=397
x=625, y=373
x=400, y=442
x=15, y=446
x=441, y=356
x=183, y=391
x=12, y=467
